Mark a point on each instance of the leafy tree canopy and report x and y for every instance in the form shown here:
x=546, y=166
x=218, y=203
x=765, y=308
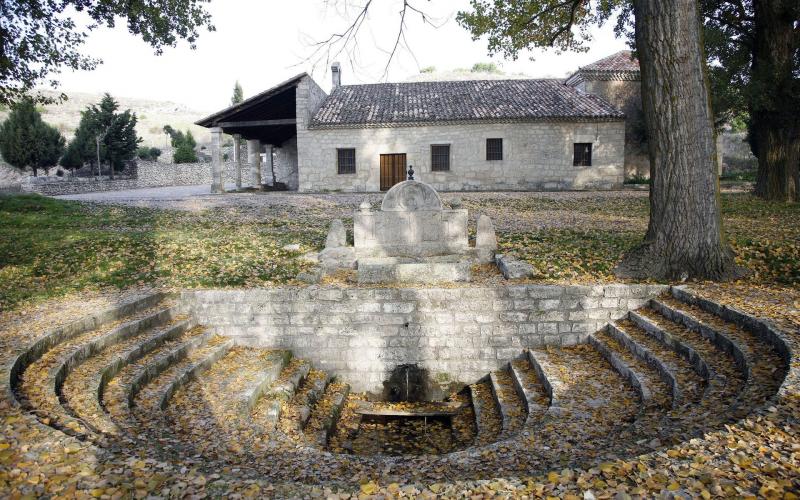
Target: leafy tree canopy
x=485, y=68
x=38, y=38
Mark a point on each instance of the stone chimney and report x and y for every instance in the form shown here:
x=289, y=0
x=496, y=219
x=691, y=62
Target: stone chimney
x=336, y=75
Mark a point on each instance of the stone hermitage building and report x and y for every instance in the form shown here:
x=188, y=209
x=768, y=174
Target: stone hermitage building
x=526, y=134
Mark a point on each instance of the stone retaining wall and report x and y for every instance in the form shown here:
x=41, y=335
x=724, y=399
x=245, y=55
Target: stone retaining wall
x=458, y=334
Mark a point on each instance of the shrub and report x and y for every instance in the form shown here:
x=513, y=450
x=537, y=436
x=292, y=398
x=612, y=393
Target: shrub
x=184, y=154
x=149, y=154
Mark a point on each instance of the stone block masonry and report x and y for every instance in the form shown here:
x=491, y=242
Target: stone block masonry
x=460, y=334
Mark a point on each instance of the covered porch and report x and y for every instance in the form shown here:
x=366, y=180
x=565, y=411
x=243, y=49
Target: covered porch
x=267, y=123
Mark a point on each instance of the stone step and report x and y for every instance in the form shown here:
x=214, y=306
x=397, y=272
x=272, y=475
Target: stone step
x=530, y=389
x=644, y=354
x=691, y=385
x=681, y=348
x=322, y=423
x=151, y=389
x=508, y=401
x=596, y=408
x=760, y=363
x=762, y=330
x=82, y=391
x=546, y=371
x=311, y=389
x=122, y=389
x=658, y=393
x=280, y=392
x=488, y=420
x=637, y=380
x=47, y=362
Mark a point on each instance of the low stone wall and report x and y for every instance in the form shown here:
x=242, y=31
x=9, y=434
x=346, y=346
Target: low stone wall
x=458, y=334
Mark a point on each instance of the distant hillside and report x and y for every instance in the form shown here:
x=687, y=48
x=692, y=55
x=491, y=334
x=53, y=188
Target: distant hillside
x=152, y=115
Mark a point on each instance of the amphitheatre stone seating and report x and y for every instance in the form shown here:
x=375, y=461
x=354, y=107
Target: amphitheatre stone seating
x=164, y=385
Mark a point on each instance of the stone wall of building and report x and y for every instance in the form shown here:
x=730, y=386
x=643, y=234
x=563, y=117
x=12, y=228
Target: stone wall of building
x=626, y=95
x=535, y=156
x=458, y=334
x=286, y=164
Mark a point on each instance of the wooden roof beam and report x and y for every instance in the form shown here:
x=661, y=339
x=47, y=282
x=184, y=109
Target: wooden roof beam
x=257, y=123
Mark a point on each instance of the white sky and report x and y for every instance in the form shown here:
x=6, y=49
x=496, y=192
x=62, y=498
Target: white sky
x=263, y=42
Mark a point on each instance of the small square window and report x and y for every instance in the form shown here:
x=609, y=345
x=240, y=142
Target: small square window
x=440, y=157
x=494, y=149
x=346, y=160
x=582, y=154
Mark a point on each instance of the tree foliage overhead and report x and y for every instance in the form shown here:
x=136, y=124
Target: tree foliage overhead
x=38, y=38
x=515, y=25
x=27, y=141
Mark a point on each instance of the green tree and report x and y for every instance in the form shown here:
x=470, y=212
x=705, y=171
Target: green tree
x=184, y=153
x=238, y=94
x=27, y=141
x=684, y=237
x=72, y=158
x=106, y=136
x=754, y=69
x=41, y=37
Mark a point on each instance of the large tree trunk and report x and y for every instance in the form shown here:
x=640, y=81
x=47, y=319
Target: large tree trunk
x=684, y=239
x=774, y=102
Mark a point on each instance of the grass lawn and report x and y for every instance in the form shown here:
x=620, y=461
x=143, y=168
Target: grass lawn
x=50, y=247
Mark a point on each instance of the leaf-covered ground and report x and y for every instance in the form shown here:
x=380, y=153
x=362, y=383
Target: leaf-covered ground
x=60, y=260
x=50, y=247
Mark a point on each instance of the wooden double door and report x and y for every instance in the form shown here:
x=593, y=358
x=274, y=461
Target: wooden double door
x=393, y=170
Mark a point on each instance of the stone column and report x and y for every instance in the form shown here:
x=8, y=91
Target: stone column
x=270, y=164
x=217, y=185
x=237, y=157
x=254, y=160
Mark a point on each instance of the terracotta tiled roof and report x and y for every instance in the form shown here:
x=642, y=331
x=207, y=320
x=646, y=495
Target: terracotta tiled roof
x=619, y=66
x=621, y=61
x=398, y=104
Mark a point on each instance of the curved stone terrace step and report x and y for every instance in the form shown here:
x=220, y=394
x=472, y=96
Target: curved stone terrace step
x=488, y=419
x=635, y=379
x=280, y=391
x=160, y=380
x=148, y=399
x=762, y=364
x=298, y=408
x=728, y=382
x=761, y=329
x=546, y=371
x=122, y=389
x=39, y=384
x=211, y=413
x=529, y=389
x=82, y=391
x=682, y=348
x=658, y=387
x=322, y=423
x=511, y=406
x=692, y=386
x=641, y=352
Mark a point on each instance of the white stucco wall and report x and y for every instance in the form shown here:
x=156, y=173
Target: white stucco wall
x=535, y=156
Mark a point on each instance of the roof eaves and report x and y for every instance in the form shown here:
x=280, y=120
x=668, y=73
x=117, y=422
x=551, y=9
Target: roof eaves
x=291, y=82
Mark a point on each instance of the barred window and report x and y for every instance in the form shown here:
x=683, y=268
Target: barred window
x=346, y=160
x=582, y=154
x=494, y=149
x=440, y=157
